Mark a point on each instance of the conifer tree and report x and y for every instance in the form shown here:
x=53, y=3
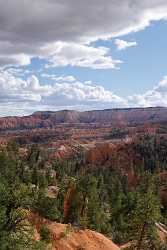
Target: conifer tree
x=144, y=217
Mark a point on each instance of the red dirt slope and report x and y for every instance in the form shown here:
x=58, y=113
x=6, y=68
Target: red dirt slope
x=65, y=237
x=81, y=239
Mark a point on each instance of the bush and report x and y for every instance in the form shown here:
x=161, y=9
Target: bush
x=47, y=207
x=45, y=234
x=66, y=232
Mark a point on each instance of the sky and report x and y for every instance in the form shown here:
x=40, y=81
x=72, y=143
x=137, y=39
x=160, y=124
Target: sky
x=82, y=55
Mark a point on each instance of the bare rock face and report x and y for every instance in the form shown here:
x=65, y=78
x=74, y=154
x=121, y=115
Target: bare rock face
x=66, y=237
x=82, y=239
x=99, y=154
x=120, y=155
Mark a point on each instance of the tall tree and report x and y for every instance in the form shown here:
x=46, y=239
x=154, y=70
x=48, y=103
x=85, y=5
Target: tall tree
x=144, y=216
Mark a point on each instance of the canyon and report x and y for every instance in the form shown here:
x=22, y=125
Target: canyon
x=122, y=140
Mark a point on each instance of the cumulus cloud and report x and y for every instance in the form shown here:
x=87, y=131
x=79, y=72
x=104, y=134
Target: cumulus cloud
x=79, y=93
x=122, y=44
x=61, y=32
x=154, y=97
x=16, y=90
x=30, y=95
x=25, y=96
x=28, y=26
x=65, y=54
x=46, y=20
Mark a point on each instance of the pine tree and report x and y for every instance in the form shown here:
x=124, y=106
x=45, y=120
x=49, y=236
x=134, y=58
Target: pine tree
x=144, y=216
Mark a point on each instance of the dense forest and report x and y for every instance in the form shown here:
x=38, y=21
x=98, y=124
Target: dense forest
x=98, y=198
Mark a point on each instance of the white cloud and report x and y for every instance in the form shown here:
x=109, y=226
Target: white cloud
x=26, y=27
x=78, y=93
x=122, y=44
x=155, y=97
x=64, y=54
x=29, y=95
x=16, y=90
x=61, y=34
x=17, y=60
x=26, y=96
x=67, y=78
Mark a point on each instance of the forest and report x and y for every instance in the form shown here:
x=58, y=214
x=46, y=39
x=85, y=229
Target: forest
x=94, y=197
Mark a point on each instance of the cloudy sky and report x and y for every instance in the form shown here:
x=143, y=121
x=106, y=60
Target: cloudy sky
x=75, y=54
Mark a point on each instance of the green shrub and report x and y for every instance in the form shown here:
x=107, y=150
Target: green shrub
x=45, y=234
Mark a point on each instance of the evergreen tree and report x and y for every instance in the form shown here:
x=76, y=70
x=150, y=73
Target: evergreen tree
x=144, y=216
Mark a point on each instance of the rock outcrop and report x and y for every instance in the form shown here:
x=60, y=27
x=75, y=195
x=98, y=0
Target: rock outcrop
x=66, y=237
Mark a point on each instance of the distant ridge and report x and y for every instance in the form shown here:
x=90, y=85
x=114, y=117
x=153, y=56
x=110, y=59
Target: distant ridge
x=122, y=116
x=112, y=109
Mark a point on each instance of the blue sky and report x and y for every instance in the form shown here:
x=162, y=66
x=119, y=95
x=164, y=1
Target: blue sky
x=142, y=66
x=145, y=64
x=106, y=56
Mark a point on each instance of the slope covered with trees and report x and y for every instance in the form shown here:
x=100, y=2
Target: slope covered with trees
x=98, y=198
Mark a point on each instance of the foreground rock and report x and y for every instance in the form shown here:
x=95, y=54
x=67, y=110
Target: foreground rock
x=80, y=239
x=66, y=237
